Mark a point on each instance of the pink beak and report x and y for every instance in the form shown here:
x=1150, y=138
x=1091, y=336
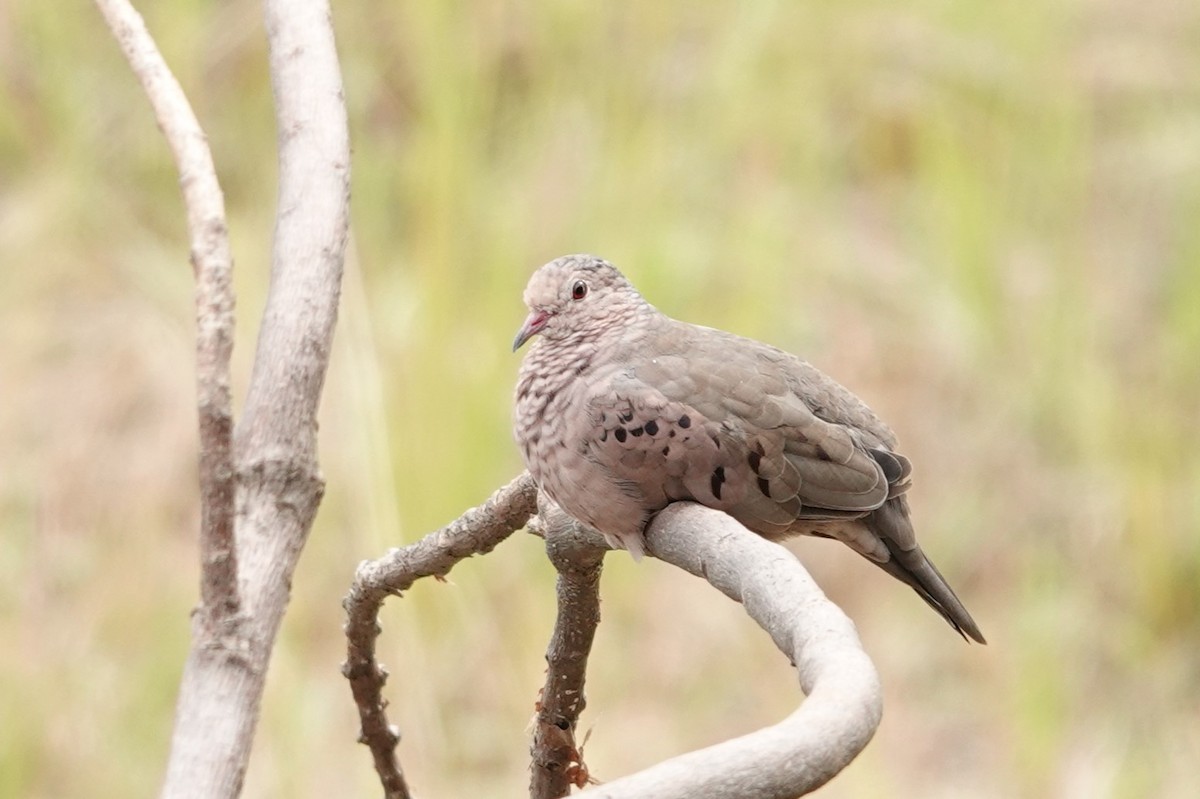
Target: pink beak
x=533, y=325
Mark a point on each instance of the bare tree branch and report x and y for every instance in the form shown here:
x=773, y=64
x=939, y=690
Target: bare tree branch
x=477, y=531
x=212, y=263
x=250, y=550
x=844, y=705
x=556, y=753
x=791, y=758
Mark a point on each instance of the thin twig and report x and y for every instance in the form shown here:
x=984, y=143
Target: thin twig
x=477, y=531
x=212, y=264
x=556, y=753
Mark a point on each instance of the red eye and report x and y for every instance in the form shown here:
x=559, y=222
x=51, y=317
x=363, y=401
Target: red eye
x=579, y=290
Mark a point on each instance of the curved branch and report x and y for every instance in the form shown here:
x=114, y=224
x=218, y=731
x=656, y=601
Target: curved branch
x=477, y=531
x=212, y=263
x=844, y=705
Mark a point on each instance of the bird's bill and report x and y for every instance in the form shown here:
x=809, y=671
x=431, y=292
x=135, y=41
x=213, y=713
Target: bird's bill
x=533, y=325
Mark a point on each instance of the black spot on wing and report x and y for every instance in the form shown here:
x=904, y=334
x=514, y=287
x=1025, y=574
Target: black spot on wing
x=651, y=428
x=620, y=434
x=685, y=421
x=754, y=459
x=635, y=432
x=718, y=477
x=764, y=485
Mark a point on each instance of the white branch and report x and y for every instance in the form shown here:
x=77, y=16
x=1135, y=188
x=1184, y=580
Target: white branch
x=278, y=487
x=311, y=227
x=844, y=705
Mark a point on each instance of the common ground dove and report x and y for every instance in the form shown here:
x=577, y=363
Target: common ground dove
x=621, y=410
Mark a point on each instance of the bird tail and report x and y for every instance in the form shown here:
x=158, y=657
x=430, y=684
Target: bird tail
x=910, y=565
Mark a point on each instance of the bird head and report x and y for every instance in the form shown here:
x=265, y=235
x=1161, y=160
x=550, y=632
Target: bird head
x=577, y=297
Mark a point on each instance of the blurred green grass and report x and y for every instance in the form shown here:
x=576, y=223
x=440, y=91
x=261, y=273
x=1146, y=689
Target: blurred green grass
x=981, y=217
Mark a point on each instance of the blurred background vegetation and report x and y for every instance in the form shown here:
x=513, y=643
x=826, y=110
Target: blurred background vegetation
x=982, y=217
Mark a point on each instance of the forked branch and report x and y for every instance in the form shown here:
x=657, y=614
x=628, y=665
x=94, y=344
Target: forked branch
x=250, y=547
x=795, y=756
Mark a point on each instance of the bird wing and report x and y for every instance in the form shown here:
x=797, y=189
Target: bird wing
x=713, y=421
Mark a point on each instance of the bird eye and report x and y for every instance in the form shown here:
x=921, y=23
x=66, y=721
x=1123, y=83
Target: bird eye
x=579, y=290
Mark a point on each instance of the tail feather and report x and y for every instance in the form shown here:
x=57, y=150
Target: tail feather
x=910, y=565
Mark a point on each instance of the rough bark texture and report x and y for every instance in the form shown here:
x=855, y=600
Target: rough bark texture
x=477, y=531
x=557, y=753
x=212, y=263
x=260, y=486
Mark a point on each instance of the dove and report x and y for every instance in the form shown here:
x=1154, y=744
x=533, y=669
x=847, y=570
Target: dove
x=621, y=410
